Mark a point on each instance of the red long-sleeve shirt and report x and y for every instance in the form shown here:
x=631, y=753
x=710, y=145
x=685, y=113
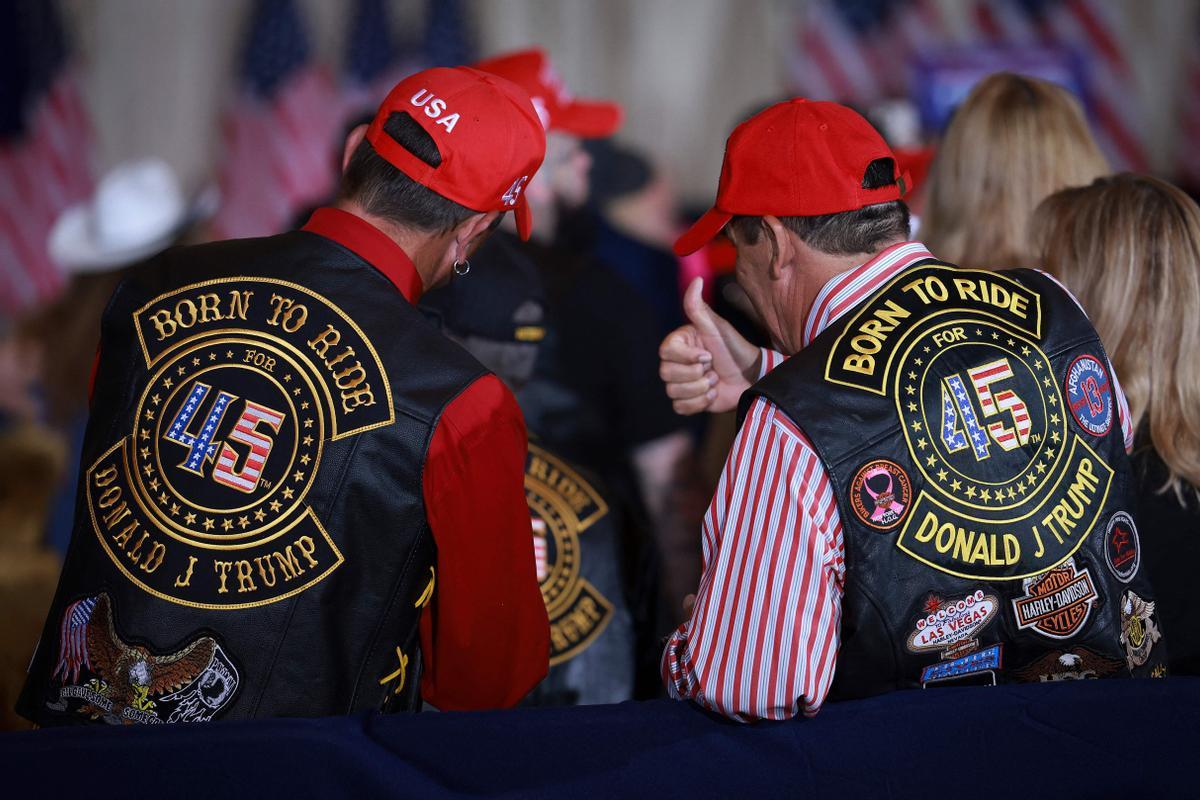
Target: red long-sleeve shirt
x=485, y=637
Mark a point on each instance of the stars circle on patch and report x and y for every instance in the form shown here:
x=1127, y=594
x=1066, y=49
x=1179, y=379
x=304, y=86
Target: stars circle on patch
x=230, y=454
x=981, y=422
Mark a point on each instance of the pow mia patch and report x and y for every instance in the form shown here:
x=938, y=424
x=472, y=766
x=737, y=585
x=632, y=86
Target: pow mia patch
x=102, y=676
x=1089, y=394
x=880, y=494
x=563, y=505
x=1122, y=548
x=203, y=502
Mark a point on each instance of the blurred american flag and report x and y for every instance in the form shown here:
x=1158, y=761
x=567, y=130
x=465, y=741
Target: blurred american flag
x=45, y=142
x=280, y=133
x=1188, y=149
x=858, y=52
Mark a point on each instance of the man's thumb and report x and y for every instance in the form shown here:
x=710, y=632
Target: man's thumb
x=698, y=312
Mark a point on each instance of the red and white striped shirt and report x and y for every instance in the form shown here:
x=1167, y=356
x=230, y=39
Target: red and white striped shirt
x=764, y=634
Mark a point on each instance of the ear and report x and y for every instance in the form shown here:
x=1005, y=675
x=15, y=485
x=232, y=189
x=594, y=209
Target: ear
x=352, y=142
x=471, y=232
x=782, y=246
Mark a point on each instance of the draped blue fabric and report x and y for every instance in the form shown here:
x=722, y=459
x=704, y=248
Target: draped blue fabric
x=1087, y=739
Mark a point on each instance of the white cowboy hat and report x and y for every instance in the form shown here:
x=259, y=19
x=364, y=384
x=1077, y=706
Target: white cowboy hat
x=138, y=209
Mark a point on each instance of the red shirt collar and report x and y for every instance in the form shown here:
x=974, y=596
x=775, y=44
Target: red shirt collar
x=370, y=244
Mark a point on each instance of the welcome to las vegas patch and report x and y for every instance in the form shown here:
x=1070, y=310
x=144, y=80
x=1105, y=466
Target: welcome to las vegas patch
x=203, y=502
x=1009, y=490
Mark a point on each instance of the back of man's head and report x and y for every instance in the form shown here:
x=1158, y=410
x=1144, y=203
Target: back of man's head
x=820, y=168
x=382, y=190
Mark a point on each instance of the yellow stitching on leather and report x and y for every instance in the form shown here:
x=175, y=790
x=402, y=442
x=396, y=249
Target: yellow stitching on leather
x=428, y=593
x=400, y=673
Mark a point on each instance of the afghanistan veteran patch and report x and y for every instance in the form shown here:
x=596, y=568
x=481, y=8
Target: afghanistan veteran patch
x=102, y=676
x=1007, y=490
x=563, y=505
x=203, y=502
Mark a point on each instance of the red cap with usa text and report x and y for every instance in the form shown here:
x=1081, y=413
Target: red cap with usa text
x=486, y=130
x=557, y=107
x=798, y=158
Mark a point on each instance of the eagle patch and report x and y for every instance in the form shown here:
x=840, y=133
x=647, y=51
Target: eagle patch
x=104, y=677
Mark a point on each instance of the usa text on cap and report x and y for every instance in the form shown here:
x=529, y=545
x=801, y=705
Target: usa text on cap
x=489, y=137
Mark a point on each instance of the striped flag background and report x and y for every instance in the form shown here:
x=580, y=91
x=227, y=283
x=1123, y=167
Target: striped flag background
x=279, y=133
x=1188, y=148
x=859, y=51
x=45, y=146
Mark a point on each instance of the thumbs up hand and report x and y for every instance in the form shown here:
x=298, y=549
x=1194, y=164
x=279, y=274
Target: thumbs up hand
x=707, y=364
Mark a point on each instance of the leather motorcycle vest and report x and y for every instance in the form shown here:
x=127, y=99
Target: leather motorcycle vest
x=577, y=546
x=250, y=535
x=969, y=426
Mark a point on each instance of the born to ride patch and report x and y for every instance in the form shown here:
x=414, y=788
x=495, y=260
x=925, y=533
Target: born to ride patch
x=203, y=503
x=880, y=494
x=101, y=675
x=1122, y=548
x=563, y=505
x=1089, y=395
x=1004, y=490
x=1058, y=602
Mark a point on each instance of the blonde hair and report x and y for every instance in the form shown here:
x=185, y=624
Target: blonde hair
x=1013, y=142
x=1128, y=246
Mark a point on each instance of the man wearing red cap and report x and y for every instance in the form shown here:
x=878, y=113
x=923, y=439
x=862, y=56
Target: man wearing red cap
x=911, y=496
x=297, y=498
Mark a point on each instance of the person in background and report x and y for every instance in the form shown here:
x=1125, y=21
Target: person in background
x=632, y=216
x=32, y=460
x=296, y=497
x=1014, y=141
x=595, y=398
x=139, y=209
x=906, y=404
x=1128, y=246
x=581, y=532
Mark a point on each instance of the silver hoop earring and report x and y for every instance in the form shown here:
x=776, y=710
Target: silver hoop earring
x=462, y=267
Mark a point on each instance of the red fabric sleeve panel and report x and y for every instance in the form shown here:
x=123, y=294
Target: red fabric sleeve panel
x=485, y=637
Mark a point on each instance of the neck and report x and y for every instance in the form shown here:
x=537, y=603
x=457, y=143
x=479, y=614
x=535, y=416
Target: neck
x=423, y=250
x=823, y=268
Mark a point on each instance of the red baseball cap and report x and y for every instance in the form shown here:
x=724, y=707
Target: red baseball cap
x=485, y=128
x=798, y=158
x=558, y=109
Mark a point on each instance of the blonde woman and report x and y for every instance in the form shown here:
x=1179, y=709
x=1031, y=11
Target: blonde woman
x=1013, y=142
x=1128, y=246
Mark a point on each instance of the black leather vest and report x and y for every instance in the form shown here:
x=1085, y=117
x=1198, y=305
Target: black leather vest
x=969, y=426
x=250, y=536
x=577, y=545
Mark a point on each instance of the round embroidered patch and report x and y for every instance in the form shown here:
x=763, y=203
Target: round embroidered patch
x=880, y=494
x=1089, y=394
x=1122, y=549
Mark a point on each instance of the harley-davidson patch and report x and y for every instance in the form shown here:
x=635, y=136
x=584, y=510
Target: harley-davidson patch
x=101, y=675
x=1078, y=663
x=1056, y=603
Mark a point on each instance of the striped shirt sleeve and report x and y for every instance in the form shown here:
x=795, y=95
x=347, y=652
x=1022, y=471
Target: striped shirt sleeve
x=763, y=636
